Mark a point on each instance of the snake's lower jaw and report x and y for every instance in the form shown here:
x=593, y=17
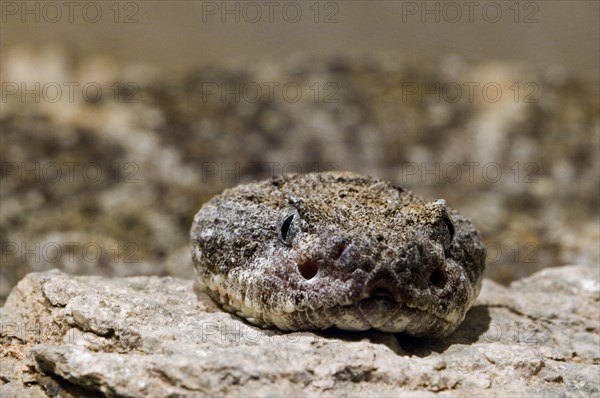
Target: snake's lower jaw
x=370, y=313
x=379, y=312
x=386, y=315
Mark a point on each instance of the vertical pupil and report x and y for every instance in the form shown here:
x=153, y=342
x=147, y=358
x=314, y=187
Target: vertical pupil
x=450, y=226
x=285, y=227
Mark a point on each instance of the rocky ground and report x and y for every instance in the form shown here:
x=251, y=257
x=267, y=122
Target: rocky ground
x=67, y=336
x=105, y=178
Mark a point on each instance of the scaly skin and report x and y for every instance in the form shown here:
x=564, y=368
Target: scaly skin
x=319, y=250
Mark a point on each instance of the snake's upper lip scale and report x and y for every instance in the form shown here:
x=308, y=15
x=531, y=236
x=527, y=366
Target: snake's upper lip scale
x=400, y=303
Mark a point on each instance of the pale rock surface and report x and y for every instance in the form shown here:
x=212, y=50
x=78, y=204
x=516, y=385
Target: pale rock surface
x=66, y=336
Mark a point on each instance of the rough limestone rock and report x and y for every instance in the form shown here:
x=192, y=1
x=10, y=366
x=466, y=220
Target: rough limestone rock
x=66, y=335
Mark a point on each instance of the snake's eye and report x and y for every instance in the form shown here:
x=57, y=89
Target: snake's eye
x=289, y=226
x=285, y=227
x=443, y=224
x=449, y=226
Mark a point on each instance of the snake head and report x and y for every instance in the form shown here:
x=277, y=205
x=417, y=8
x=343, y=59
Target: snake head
x=319, y=250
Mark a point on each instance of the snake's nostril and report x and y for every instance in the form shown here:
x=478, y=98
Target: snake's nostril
x=308, y=269
x=438, y=278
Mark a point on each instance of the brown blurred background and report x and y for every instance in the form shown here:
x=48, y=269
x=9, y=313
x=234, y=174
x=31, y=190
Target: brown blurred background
x=180, y=34
x=543, y=133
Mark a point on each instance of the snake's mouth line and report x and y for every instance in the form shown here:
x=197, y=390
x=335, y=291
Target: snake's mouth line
x=369, y=308
x=394, y=305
